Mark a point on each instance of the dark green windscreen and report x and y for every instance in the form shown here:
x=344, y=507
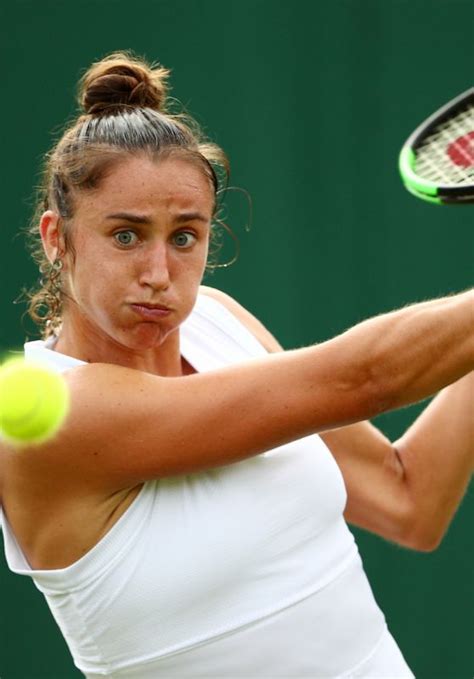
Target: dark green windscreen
x=312, y=101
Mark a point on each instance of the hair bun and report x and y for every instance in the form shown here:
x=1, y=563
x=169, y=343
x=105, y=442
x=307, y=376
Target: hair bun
x=121, y=80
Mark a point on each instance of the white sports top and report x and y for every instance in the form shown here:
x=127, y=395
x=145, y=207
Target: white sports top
x=246, y=570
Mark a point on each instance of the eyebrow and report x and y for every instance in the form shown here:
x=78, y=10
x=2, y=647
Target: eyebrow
x=143, y=219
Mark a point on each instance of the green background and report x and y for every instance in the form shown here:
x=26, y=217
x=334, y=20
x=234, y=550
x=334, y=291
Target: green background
x=312, y=101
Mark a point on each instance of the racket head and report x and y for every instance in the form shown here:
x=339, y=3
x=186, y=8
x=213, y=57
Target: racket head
x=436, y=162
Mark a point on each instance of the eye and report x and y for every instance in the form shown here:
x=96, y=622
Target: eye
x=125, y=238
x=184, y=239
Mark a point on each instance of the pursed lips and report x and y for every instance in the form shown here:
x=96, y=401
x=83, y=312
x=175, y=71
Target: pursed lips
x=147, y=305
x=149, y=311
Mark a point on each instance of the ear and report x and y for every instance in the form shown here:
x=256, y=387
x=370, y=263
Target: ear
x=53, y=242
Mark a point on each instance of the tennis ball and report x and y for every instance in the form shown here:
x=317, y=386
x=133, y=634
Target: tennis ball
x=34, y=402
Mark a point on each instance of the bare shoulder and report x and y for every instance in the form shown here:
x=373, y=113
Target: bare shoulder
x=252, y=323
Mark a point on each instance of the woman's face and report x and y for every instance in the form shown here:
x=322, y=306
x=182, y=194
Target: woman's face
x=141, y=241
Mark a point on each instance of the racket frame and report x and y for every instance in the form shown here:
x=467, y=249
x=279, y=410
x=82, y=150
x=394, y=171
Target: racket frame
x=424, y=188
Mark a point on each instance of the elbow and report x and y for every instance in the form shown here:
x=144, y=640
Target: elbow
x=413, y=527
x=421, y=536
x=423, y=543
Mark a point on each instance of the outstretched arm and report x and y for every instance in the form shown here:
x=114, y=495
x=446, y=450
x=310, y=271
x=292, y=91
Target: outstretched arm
x=126, y=426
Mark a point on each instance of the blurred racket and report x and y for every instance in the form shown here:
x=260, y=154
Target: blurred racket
x=437, y=161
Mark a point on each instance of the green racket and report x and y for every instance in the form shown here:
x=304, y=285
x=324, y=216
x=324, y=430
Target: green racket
x=437, y=160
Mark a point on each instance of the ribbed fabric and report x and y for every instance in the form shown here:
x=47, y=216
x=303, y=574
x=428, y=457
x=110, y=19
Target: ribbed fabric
x=204, y=566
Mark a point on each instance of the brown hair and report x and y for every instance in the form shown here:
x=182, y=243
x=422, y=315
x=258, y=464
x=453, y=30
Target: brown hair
x=124, y=105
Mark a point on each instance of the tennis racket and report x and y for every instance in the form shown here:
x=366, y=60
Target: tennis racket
x=437, y=160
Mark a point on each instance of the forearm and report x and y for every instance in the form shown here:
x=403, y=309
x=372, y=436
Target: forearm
x=414, y=352
x=437, y=453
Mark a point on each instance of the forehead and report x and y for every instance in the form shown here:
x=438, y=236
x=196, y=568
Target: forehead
x=142, y=184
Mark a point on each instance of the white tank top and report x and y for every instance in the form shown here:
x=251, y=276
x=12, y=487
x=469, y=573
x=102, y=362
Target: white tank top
x=246, y=570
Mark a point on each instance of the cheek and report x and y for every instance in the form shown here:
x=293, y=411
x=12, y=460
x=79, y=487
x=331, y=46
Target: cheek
x=193, y=265
x=194, y=274
x=91, y=281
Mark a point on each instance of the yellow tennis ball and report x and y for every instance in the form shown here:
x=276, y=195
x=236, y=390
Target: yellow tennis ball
x=34, y=402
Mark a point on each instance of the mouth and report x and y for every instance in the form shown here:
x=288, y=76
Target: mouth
x=150, y=311
x=147, y=305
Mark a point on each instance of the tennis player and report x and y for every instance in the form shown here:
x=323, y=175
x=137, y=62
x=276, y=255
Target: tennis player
x=188, y=521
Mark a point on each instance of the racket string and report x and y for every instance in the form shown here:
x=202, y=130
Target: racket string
x=434, y=162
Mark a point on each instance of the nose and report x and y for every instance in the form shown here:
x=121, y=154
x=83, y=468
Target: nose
x=154, y=267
